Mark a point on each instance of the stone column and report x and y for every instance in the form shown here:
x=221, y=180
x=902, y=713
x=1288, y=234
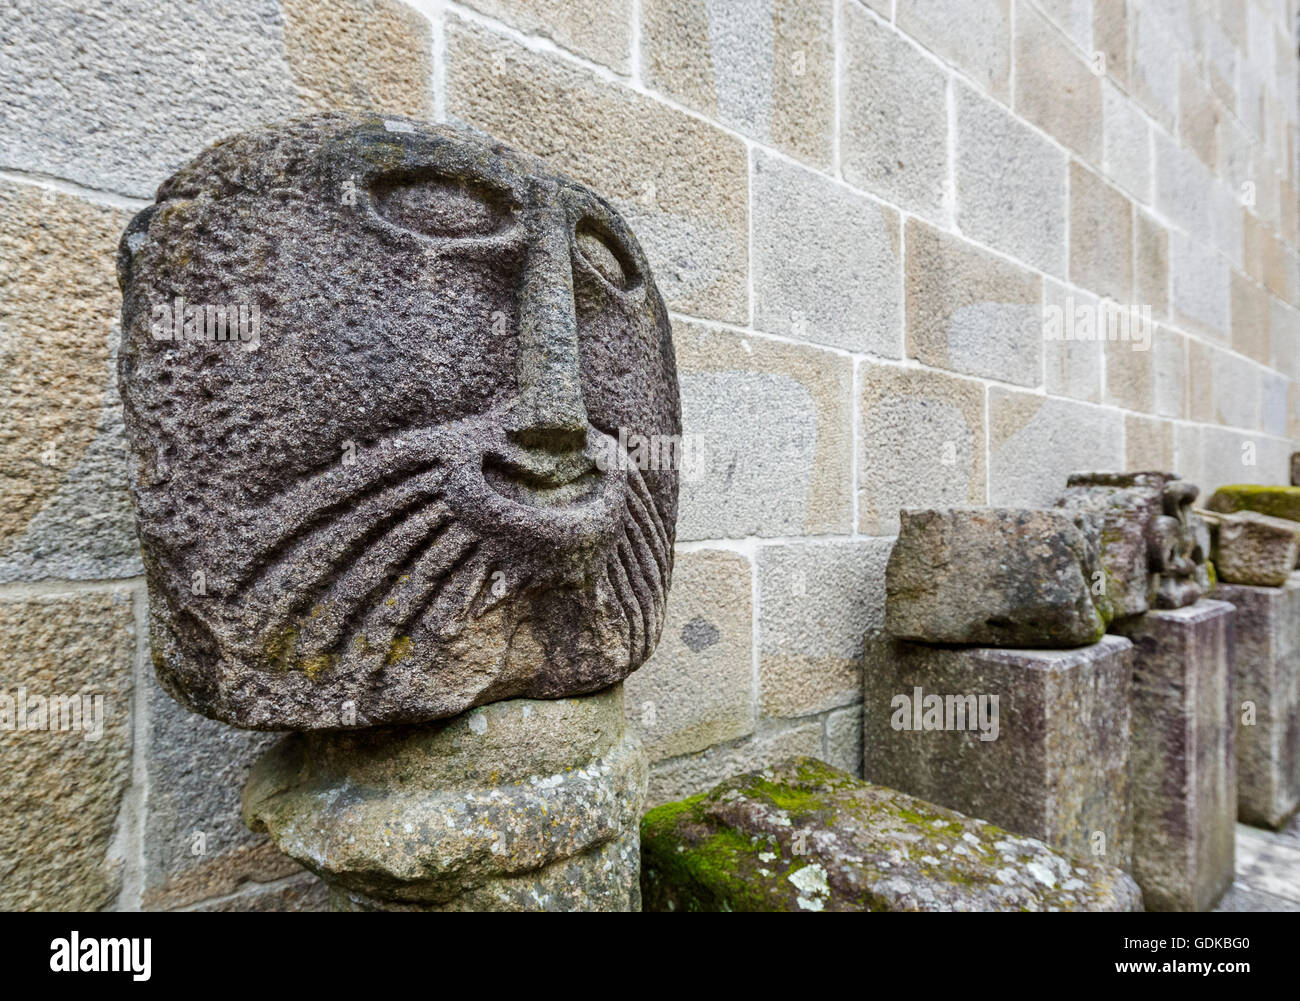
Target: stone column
x=1035, y=741
x=521, y=805
x=1184, y=782
x=1267, y=700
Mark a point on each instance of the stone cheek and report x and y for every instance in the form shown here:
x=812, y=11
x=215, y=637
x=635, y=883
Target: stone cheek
x=433, y=461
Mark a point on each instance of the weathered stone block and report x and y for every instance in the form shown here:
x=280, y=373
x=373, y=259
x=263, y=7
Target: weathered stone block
x=765, y=70
x=697, y=688
x=1003, y=163
x=692, y=774
x=65, y=512
x=922, y=437
x=1035, y=740
x=196, y=845
x=817, y=600
x=1277, y=502
x=128, y=105
x=1154, y=77
x=975, y=37
x=1101, y=235
x=844, y=739
x=359, y=55
x=1125, y=136
x=681, y=183
x=601, y=30
x=1035, y=442
x=1148, y=443
x=1150, y=263
x=771, y=428
x=995, y=577
x=66, y=686
x=803, y=836
x=1267, y=699
x=1153, y=547
x=518, y=805
x=1072, y=366
x=1199, y=293
x=970, y=311
x=1252, y=548
x=1184, y=784
x=1055, y=88
x=843, y=287
x=893, y=115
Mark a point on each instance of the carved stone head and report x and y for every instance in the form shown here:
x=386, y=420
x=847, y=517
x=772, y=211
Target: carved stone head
x=1153, y=547
x=380, y=380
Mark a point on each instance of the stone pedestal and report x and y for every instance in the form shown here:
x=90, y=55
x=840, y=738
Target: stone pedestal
x=1184, y=775
x=1055, y=768
x=1267, y=700
x=521, y=805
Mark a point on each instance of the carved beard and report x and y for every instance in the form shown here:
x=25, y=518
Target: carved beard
x=436, y=550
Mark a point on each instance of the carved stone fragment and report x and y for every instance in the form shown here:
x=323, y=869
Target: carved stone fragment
x=1252, y=548
x=1153, y=547
x=404, y=427
x=995, y=577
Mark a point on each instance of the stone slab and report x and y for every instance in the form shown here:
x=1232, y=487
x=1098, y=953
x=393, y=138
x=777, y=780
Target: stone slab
x=1252, y=548
x=1184, y=782
x=803, y=836
x=1267, y=700
x=1278, y=502
x=1003, y=577
x=1055, y=764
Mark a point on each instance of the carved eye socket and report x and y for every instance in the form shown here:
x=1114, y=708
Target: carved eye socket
x=442, y=206
x=605, y=256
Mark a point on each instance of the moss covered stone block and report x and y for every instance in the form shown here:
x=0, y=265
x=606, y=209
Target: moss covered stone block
x=803, y=836
x=1277, y=502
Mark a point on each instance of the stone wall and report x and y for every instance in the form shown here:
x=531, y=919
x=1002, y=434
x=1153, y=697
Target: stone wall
x=861, y=215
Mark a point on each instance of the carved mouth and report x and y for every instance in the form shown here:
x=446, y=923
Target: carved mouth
x=543, y=479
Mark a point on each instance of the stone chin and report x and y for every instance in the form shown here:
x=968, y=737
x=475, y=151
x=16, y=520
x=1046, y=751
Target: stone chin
x=457, y=571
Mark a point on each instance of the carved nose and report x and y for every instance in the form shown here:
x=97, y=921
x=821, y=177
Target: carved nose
x=549, y=412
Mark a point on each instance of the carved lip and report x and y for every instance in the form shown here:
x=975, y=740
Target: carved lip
x=542, y=479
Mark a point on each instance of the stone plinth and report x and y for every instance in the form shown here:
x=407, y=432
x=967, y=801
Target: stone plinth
x=521, y=805
x=803, y=836
x=1267, y=700
x=1184, y=736
x=1055, y=765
